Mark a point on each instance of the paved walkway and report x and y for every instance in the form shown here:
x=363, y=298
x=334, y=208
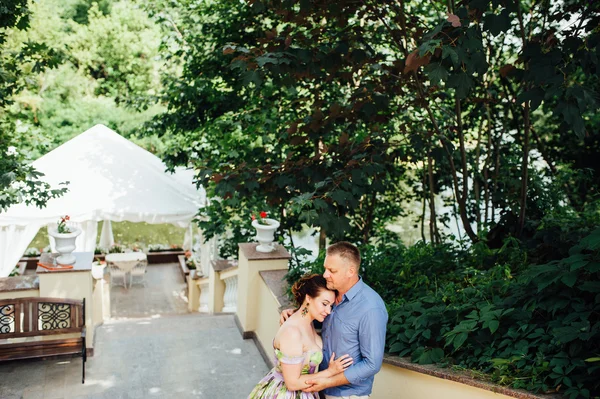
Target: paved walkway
x=158, y=356
x=164, y=292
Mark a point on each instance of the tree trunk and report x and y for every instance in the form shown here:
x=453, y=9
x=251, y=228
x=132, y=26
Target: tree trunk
x=433, y=229
x=526, y=128
x=322, y=240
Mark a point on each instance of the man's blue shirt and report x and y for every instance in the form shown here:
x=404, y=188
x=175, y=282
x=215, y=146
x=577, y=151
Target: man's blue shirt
x=356, y=326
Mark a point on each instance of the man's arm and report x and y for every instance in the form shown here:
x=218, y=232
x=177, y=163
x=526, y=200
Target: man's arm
x=371, y=339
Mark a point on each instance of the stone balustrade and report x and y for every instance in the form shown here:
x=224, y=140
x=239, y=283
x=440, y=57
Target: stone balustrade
x=230, y=278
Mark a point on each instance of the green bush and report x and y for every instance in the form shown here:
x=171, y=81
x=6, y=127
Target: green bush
x=533, y=332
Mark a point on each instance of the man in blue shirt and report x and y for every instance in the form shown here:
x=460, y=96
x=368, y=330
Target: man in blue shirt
x=356, y=326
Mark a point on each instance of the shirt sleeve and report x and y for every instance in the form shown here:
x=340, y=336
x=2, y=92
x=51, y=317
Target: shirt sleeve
x=371, y=336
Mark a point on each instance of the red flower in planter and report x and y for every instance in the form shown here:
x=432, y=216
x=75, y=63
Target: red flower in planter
x=262, y=219
x=62, y=225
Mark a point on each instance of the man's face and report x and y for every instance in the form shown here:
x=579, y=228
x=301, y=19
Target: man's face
x=336, y=272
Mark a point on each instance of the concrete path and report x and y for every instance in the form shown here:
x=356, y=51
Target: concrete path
x=159, y=356
x=164, y=292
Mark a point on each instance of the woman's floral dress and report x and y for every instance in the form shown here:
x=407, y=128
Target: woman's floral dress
x=272, y=385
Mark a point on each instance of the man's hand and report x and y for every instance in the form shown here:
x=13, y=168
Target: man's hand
x=316, y=385
x=285, y=314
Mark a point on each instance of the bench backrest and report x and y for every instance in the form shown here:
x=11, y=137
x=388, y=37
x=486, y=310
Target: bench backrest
x=34, y=316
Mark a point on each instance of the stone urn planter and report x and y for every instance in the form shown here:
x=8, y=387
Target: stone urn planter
x=98, y=269
x=65, y=244
x=265, y=234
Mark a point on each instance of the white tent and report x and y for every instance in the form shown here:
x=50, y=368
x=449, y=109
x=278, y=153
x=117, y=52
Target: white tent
x=111, y=179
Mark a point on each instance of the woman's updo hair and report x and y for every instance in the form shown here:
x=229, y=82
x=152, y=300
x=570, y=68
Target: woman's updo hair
x=309, y=284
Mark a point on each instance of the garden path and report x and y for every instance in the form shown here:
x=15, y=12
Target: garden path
x=157, y=352
x=164, y=292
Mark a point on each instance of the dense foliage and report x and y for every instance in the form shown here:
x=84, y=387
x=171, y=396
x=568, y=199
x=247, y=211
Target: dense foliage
x=19, y=181
x=329, y=110
x=539, y=330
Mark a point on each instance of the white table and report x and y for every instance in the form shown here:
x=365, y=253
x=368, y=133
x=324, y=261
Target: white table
x=126, y=261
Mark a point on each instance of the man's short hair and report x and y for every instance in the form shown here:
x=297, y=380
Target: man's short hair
x=346, y=251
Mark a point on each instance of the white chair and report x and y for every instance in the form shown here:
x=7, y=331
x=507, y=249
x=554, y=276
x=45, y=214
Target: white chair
x=117, y=274
x=138, y=273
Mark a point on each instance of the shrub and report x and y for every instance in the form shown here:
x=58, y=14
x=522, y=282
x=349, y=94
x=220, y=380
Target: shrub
x=533, y=332
x=31, y=252
x=116, y=249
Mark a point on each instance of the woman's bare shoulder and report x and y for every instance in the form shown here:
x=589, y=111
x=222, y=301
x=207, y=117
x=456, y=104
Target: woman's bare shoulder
x=288, y=335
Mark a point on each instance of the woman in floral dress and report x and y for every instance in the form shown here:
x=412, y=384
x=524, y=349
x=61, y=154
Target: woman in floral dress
x=298, y=347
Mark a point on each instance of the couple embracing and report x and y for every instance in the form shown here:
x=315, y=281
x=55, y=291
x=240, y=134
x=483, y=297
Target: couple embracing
x=343, y=361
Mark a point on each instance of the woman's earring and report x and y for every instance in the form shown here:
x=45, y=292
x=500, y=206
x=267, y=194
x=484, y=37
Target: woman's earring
x=305, y=310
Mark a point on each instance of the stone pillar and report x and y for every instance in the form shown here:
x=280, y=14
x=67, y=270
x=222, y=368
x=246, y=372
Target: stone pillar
x=101, y=301
x=193, y=294
x=251, y=262
x=216, y=289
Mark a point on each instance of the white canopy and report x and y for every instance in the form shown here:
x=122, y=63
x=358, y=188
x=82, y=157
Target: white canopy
x=111, y=179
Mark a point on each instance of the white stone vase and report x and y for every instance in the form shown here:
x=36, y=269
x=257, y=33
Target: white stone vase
x=265, y=234
x=98, y=270
x=65, y=244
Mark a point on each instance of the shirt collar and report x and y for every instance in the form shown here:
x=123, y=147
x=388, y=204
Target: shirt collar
x=356, y=288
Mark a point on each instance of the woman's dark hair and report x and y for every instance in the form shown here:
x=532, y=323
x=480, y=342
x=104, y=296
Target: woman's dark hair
x=309, y=284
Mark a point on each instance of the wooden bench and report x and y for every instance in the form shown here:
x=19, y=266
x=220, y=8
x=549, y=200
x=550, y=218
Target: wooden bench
x=34, y=317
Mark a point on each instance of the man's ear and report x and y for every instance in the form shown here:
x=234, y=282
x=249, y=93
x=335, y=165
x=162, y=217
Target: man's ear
x=351, y=271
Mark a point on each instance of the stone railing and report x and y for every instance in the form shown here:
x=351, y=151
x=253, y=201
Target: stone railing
x=216, y=291
x=203, y=286
x=230, y=278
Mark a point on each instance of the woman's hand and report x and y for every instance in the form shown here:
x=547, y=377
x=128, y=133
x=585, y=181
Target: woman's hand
x=340, y=364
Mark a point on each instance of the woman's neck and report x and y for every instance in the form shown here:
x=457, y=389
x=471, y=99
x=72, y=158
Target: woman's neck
x=306, y=319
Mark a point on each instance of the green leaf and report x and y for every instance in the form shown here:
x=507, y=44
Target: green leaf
x=590, y=286
x=448, y=51
x=436, y=73
x=310, y=217
x=493, y=325
x=397, y=347
x=460, y=339
x=497, y=24
x=429, y=47
x=252, y=77
x=569, y=278
x=437, y=354
x=566, y=334
x=320, y=204
x=339, y=196
x=462, y=82
x=593, y=267
x=573, y=118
